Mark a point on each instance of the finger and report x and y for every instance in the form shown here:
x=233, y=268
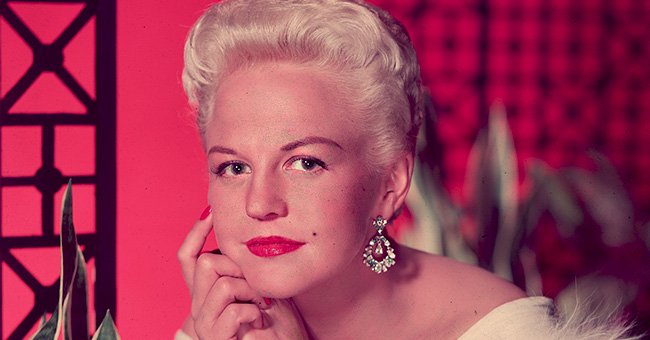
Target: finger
x=191, y=247
x=227, y=325
x=283, y=309
x=224, y=291
x=284, y=317
x=209, y=269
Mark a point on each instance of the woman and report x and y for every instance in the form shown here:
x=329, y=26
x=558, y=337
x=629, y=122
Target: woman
x=309, y=111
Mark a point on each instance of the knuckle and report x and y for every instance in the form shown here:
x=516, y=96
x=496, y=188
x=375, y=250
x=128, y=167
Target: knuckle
x=204, y=262
x=182, y=256
x=245, y=313
x=225, y=284
x=255, y=312
x=185, y=254
x=233, y=312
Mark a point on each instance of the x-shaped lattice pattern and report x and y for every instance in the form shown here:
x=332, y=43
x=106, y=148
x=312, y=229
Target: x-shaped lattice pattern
x=48, y=179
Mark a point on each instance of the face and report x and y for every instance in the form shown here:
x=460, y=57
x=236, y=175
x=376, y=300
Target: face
x=292, y=194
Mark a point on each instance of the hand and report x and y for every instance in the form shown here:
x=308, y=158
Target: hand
x=224, y=306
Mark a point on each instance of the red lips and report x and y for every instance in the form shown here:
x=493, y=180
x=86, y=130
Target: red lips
x=272, y=246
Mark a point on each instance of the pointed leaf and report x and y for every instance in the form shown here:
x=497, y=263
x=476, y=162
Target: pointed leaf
x=68, y=248
x=606, y=200
x=107, y=329
x=50, y=329
x=481, y=202
x=43, y=321
x=559, y=199
x=77, y=327
x=426, y=234
x=502, y=159
x=68, y=242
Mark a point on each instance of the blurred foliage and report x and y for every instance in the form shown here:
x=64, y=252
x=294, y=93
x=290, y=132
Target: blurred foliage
x=71, y=312
x=568, y=233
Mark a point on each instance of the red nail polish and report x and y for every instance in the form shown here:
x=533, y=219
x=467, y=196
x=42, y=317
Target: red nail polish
x=206, y=212
x=267, y=300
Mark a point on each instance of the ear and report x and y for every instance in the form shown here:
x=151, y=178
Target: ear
x=396, y=185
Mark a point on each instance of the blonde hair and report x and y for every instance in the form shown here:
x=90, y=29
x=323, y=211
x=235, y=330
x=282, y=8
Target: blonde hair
x=366, y=49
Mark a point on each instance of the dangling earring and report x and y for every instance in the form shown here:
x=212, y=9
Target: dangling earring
x=379, y=255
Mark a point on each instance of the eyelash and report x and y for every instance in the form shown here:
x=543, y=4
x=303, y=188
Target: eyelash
x=313, y=160
x=223, y=167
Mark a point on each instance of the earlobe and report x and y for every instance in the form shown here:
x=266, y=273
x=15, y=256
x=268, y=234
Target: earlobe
x=398, y=182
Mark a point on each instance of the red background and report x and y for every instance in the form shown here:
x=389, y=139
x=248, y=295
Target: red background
x=574, y=76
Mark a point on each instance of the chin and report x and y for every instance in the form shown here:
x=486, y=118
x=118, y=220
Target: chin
x=289, y=275
x=276, y=284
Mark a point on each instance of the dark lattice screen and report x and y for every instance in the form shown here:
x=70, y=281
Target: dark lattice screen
x=57, y=121
x=574, y=75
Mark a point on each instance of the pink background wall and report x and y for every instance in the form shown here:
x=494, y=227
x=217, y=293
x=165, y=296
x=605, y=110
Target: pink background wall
x=161, y=176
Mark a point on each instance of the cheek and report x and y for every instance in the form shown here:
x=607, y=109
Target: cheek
x=350, y=209
x=225, y=205
x=224, y=198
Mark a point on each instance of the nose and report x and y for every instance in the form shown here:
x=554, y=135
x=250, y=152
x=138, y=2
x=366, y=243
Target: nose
x=265, y=198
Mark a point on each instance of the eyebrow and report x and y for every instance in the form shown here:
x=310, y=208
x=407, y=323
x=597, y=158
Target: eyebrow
x=288, y=147
x=310, y=140
x=222, y=149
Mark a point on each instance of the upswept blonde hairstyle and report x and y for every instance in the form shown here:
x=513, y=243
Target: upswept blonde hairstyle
x=367, y=51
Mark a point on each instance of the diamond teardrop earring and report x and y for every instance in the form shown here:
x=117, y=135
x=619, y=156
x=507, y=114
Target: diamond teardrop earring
x=379, y=255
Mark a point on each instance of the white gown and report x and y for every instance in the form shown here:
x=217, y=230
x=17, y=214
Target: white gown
x=536, y=318
x=530, y=318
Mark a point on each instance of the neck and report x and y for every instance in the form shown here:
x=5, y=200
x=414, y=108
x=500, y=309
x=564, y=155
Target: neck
x=348, y=306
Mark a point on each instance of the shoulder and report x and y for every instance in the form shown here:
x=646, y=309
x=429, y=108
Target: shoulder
x=462, y=284
x=459, y=301
x=454, y=295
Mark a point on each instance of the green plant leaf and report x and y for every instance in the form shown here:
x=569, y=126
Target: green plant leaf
x=73, y=288
x=68, y=248
x=107, y=329
x=480, y=202
x=43, y=321
x=606, y=200
x=503, y=162
x=50, y=329
x=557, y=197
x=76, y=326
x=68, y=244
x=491, y=184
x=69, y=260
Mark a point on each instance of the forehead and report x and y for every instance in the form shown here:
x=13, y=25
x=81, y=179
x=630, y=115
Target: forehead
x=280, y=102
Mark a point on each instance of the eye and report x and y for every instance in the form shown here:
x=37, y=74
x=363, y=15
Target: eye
x=308, y=164
x=231, y=169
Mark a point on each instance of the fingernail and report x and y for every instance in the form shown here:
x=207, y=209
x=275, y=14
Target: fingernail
x=206, y=212
x=267, y=301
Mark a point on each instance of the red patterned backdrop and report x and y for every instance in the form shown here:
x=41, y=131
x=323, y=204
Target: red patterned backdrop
x=574, y=76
